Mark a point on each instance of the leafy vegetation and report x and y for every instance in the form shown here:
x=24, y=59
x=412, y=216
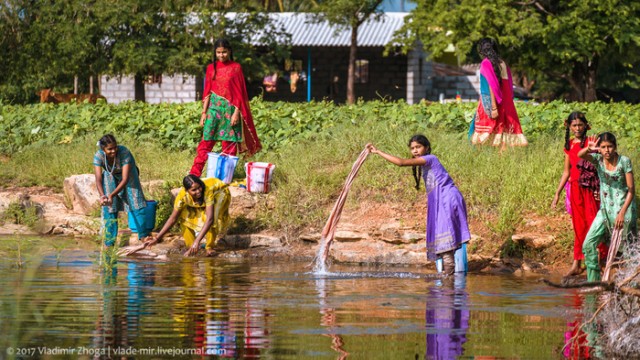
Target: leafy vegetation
x=581, y=45
x=313, y=146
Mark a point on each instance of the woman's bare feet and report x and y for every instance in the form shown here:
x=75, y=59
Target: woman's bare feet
x=576, y=269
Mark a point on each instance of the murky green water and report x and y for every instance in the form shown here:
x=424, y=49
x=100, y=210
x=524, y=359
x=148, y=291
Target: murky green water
x=64, y=305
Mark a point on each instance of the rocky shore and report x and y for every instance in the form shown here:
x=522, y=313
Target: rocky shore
x=370, y=236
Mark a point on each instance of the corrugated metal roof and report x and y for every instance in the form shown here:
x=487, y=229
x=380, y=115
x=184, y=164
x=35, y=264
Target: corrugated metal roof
x=305, y=32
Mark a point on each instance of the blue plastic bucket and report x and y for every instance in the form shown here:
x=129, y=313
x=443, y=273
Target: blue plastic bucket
x=460, y=257
x=149, y=217
x=221, y=166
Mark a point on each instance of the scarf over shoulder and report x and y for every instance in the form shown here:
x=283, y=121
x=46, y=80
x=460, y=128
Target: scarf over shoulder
x=486, y=70
x=229, y=83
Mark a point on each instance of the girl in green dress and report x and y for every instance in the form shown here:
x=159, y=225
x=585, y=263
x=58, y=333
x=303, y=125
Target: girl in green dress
x=617, y=199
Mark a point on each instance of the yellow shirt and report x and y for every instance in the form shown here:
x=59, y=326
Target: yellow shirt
x=193, y=214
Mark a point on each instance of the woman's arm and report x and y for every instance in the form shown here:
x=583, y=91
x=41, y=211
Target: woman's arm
x=205, y=228
x=631, y=193
x=591, y=146
x=563, y=180
x=126, y=170
x=98, y=174
x=494, y=105
x=396, y=160
x=205, y=106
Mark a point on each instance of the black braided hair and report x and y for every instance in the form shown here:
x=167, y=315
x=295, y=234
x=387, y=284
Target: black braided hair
x=573, y=116
x=417, y=170
x=488, y=48
x=220, y=43
x=106, y=140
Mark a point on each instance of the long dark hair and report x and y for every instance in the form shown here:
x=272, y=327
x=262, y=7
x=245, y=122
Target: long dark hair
x=188, y=182
x=220, y=43
x=488, y=48
x=417, y=170
x=576, y=115
x=106, y=140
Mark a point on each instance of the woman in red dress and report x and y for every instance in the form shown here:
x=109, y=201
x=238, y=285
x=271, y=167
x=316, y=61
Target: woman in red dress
x=226, y=115
x=496, y=120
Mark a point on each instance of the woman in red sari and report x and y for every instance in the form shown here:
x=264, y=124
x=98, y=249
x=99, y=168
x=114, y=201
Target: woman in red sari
x=226, y=115
x=496, y=120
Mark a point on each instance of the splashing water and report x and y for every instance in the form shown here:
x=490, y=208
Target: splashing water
x=320, y=261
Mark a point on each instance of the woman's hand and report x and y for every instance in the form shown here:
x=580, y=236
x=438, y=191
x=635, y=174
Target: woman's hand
x=554, y=203
x=203, y=117
x=494, y=113
x=151, y=240
x=193, y=249
x=372, y=149
x=108, y=201
x=619, y=221
x=103, y=200
x=235, y=118
x=592, y=143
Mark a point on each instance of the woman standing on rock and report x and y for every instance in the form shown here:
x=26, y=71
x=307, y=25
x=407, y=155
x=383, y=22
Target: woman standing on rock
x=225, y=115
x=496, y=121
x=118, y=184
x=202, y=207
x=447, y=227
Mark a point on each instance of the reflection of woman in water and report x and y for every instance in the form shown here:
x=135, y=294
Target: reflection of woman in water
x=447, y=319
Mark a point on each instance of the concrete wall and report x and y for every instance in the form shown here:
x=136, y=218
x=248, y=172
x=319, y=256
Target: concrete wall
x=419, y=75
x=173, y=89
x=117, y=89
x=468, y=86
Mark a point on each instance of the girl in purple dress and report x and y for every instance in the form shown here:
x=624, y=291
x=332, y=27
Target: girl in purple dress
x=447, y=228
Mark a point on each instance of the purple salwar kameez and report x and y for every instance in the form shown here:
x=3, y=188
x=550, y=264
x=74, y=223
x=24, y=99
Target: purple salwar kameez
x=447, y=226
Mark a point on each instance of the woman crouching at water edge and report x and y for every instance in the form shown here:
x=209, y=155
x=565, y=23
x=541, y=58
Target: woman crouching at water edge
x=118, y=184
x=202, y=207
x=447, y=227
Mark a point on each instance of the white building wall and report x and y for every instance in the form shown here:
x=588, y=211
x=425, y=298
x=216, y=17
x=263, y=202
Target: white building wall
x=172, y=89
x=419, y=74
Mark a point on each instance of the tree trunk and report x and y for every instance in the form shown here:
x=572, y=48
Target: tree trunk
x=91, y=84
x=351, y=75
x=75, y=84
x=583, y=80
x=139, y=93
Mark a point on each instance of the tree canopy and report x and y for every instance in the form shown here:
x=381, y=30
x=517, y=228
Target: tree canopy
x=571, y=47
x=46, y=43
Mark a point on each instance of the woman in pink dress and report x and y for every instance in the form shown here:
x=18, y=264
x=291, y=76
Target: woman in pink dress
x=496, y=120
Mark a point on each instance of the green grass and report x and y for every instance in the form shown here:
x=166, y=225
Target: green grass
x=500, y=188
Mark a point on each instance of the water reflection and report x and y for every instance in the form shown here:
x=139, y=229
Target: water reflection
x=447, y=318
x=328, y=320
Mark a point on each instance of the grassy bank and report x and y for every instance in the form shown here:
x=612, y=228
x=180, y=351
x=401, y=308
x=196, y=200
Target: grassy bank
x=315, y=155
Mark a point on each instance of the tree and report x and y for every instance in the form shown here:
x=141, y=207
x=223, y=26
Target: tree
x=556, y=42
x=348, y=14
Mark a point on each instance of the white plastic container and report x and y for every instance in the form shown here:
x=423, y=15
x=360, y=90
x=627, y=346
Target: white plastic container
x=259, y=176
x=221, y=166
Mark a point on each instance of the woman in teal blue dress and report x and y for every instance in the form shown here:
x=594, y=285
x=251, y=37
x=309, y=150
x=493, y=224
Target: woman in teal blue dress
x=118, y=183
x=617, y=199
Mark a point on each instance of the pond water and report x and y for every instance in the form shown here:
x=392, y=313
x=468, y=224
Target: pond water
x=62, y=303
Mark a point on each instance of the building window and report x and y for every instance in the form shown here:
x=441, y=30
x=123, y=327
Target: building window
x=362, y=71
x=153, y=79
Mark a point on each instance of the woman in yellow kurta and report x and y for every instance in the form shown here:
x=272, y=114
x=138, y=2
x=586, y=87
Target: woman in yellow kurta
x=202, y=207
